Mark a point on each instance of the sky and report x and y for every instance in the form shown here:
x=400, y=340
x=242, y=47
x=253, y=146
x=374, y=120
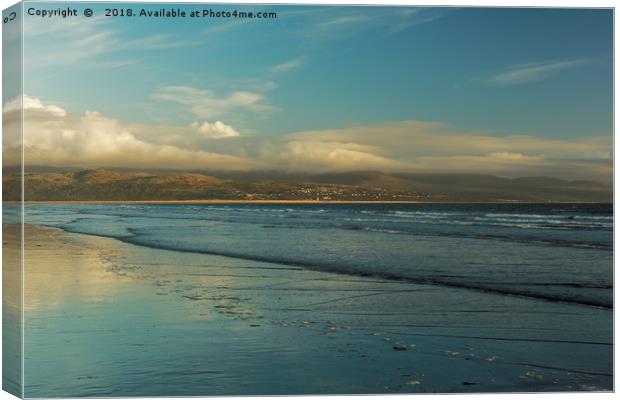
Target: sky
x=504, y=91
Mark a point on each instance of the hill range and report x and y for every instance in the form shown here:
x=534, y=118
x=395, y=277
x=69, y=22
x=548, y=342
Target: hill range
x=46, y=184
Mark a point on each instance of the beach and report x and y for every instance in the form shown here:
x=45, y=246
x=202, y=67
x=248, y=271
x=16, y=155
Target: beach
x=307, y=199
x=104, y=317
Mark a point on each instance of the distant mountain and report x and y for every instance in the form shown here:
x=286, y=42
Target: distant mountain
x=126, y=184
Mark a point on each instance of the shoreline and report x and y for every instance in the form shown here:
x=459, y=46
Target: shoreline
x=602, y=305
x=221, y=201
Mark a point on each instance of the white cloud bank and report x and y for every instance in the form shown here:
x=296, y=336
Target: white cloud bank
x=418, y=146
x=310, y=155
x=32, y=103
x=52, y=136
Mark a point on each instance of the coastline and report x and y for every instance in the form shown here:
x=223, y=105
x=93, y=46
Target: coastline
x=214, y=201
x=218, y=201
x=207, y=325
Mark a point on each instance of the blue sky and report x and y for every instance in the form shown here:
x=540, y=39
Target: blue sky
x=471, y=73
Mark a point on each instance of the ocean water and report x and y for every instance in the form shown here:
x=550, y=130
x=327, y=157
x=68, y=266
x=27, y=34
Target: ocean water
x=552, y=252
x=259, y=299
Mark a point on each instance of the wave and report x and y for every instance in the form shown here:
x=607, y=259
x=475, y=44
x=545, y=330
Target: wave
x=378, y=218
x=476, y=227
x=548, y=242
x=498, y=288
x=566, y=298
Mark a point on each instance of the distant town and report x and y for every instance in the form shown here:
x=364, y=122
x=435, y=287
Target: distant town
x=341, y=193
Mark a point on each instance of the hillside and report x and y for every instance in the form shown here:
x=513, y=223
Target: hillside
x=105, y=184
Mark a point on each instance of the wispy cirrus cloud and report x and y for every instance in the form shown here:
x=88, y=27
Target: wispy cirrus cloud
x=344, y=22
x=333, y=23
x=76, y=41
x=288, y=65
x=532, y=72
x=411, y=17
x=207, y=104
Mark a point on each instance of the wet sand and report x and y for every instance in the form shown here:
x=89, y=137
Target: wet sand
x=106, y=318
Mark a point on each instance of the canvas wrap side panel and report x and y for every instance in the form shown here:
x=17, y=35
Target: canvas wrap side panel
x=12, y=200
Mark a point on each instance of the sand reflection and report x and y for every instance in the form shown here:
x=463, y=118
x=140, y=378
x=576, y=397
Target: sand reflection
x=57, y=269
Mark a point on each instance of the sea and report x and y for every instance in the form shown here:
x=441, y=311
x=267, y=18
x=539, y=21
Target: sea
x=262, y=299
x=554, y=252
